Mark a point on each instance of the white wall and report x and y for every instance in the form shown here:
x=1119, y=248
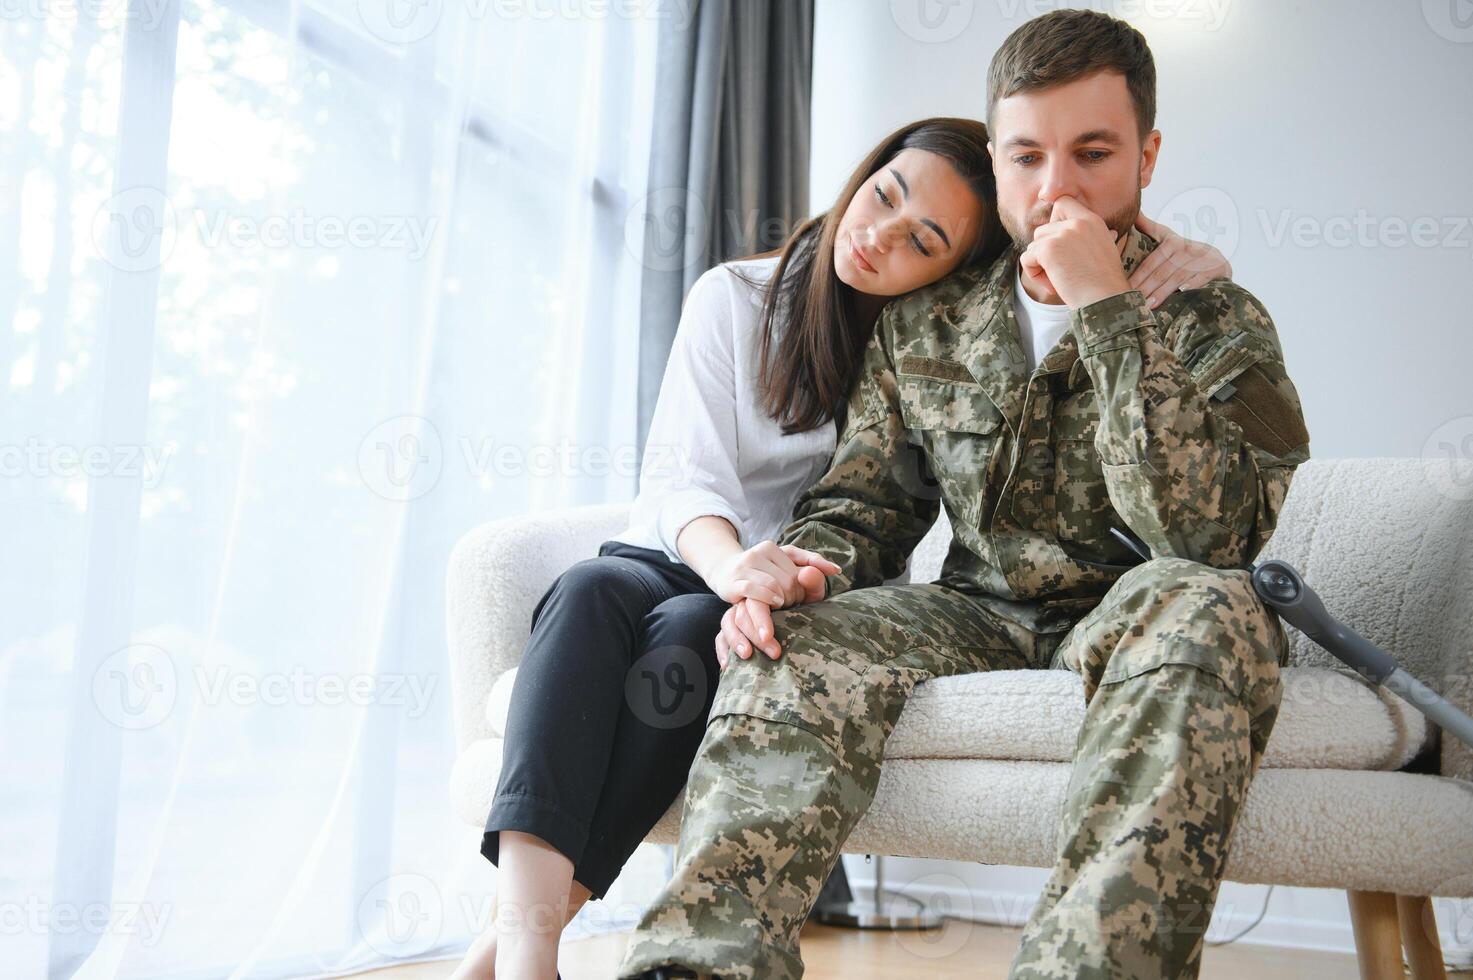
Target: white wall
x=1318, y=119
x=1287, y=129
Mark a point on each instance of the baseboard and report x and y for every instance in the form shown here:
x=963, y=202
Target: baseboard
x=1237, y=908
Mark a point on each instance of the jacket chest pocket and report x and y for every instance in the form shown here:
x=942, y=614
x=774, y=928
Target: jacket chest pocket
x=956, y=426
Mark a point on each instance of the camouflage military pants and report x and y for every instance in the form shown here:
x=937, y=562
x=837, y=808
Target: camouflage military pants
x=1180, y=663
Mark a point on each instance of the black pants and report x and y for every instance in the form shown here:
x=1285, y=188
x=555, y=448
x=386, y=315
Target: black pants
x=608, y=708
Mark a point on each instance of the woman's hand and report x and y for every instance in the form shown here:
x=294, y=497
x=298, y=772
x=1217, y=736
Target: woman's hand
x=763, y=578
x=1176, y=263
x=777, y=576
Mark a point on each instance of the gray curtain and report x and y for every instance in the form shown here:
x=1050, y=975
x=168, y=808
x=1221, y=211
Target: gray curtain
x=728, y=171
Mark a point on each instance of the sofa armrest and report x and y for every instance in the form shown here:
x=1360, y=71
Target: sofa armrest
x=497, y=573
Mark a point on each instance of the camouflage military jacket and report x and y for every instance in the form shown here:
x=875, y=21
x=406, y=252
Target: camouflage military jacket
x=1180, y=424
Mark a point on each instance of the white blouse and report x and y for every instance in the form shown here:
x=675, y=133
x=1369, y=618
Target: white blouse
x=711, y=450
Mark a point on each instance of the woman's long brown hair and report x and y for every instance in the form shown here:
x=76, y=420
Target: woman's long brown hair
x=808, y=368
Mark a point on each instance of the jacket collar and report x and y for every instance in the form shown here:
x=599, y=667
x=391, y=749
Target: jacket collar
x=992, y=348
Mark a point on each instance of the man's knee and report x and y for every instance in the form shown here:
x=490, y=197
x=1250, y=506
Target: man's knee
x=812, y=682
x=1223, y=600
x=1171, y=572
x=1177, y=610
x=808, y=635
x=778, y=683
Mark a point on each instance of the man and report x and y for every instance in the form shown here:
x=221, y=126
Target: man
x=1179, y=424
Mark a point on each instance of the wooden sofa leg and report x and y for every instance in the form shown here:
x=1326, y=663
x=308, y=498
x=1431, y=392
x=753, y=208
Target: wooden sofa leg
x=1377, y=927
x=1419, y=937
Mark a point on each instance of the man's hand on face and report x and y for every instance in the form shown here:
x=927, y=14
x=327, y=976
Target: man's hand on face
x=1075, y=256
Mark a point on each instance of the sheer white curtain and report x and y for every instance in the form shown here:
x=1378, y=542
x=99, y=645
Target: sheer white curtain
x=291, y=296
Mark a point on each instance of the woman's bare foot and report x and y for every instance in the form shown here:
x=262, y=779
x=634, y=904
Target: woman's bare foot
x=480, y=958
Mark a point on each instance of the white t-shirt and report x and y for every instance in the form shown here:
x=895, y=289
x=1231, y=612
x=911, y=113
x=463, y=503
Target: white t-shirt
x=1040, y=325
x=711, y=449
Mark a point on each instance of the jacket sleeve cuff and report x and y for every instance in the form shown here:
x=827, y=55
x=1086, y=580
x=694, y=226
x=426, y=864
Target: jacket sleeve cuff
x=683, y=506
x=1105, y=324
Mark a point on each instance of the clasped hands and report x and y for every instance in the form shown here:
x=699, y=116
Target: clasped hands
x=765, y=577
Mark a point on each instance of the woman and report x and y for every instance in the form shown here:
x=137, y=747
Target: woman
x=611, y=698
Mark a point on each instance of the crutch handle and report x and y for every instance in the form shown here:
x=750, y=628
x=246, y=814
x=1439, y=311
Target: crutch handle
x=1280, y=586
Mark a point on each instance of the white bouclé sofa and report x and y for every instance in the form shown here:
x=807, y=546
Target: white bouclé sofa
x=977, y=766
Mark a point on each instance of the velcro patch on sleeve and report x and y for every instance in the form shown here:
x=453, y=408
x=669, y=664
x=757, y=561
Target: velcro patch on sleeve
x=1268, y=419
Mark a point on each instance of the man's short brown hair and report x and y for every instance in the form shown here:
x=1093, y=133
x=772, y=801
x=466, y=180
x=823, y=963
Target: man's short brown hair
x=1065, y=45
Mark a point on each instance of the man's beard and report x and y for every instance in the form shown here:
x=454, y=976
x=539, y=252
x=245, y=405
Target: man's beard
x=1120, y=222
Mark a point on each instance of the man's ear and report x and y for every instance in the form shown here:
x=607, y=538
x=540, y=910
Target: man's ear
x=993, y=156
x=1149, y=149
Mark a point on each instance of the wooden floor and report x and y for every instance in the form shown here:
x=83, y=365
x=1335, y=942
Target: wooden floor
x=960, y=949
